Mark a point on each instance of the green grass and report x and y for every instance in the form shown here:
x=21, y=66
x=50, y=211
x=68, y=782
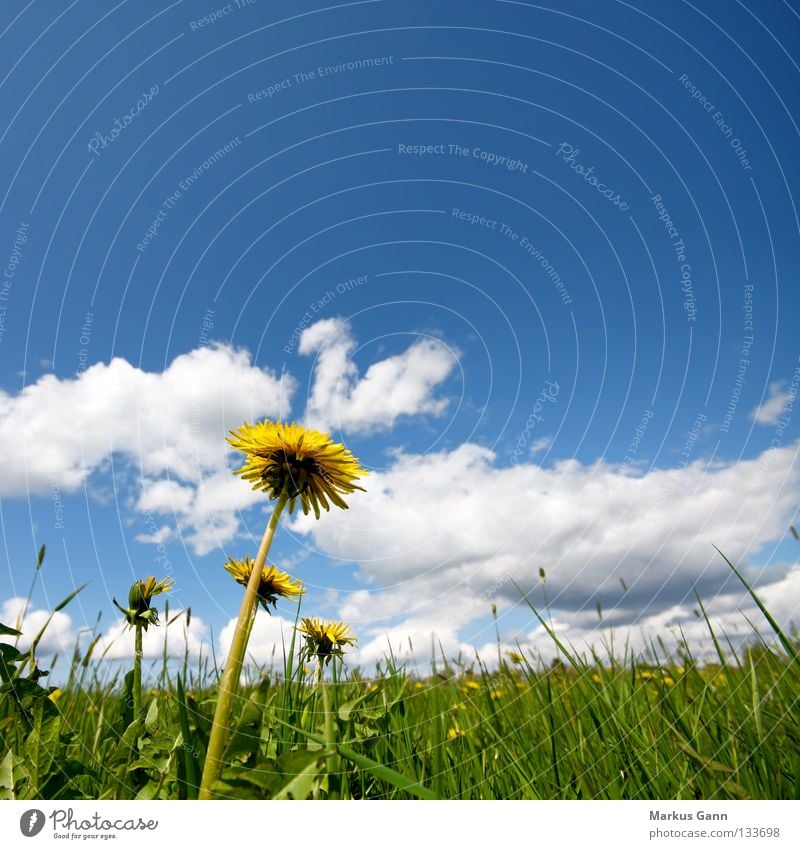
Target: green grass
x=577, y=729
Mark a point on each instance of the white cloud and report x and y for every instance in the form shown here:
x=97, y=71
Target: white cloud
x=441, y=537
x=117, y=642
x=401, y=385
x=58, y=638
x=541, y=444
x=170, y=426
x=780, y=395
x=270, y=634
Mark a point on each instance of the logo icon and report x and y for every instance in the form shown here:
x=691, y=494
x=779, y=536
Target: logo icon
x=31, y=822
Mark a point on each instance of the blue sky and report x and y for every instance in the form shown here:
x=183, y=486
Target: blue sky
x=536, y=267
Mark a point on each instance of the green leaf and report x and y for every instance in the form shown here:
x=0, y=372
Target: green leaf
x=7, y=776
x=62, y=604
x=304, y=767
x=22, y=687
x=190, y=780
x=378, y=770
x=149, y=791
x=5, y=631
x=42, y=743
x=11, y=654
x=151, y=720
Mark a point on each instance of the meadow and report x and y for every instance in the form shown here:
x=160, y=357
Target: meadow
x=580, y=727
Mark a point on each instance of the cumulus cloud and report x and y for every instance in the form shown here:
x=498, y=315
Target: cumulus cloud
x=416, y=640
x=114, y=644
x=779, y=401
x=270, y=634
x=170, y=426
x=401, y=385
x=59, y=638
x=442, y=536
x=117, y=642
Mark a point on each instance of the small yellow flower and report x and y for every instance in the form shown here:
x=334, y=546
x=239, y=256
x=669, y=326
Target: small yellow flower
x=55, y=695
x=452, y=733
x=418, y=685
x=516, y=657
x=274, y=583
x=152, y=692
x=596, y=678
x=680, y=670
x=472, y=685
x=304, y=463
x=645, y=675
x=497, y=694
x=668, y=680
x=325, y=639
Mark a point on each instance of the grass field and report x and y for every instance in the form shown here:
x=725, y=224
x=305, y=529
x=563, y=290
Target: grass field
x=579, y=728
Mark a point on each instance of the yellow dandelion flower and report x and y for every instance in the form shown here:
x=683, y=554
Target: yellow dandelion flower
x=680, y=670
x=325, y=639
x=472, y=685
x=274, y=583
x=596, y=678
x=304, y=463
x=497, y=694
x=645, y=675
x=516, y=657
x=55, y=695
x=668, y=680
x=452, y=733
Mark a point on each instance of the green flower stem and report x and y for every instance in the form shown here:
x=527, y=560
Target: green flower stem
x=229, y=683
x=330, y=735
x=137, y=673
